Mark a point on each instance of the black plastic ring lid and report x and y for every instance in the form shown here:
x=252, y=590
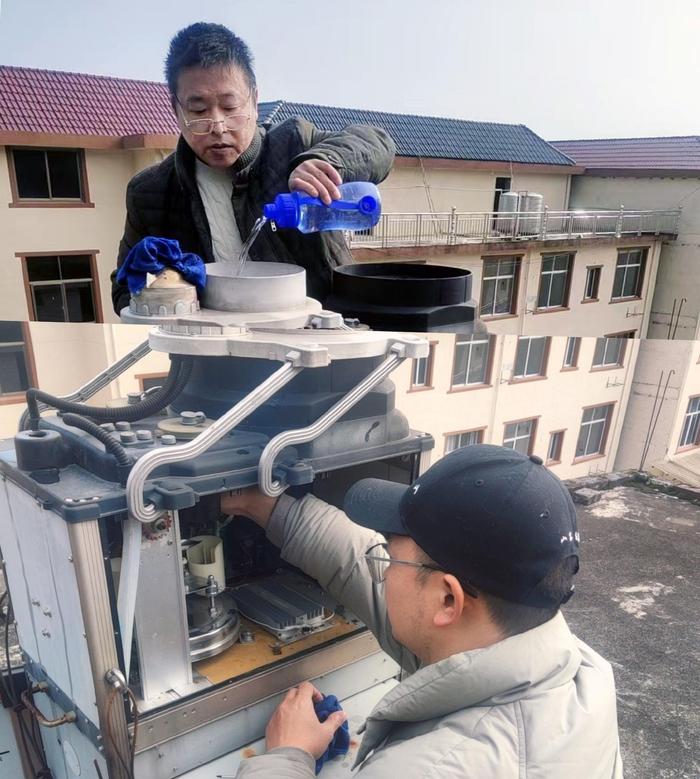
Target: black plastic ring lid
x=402, y=284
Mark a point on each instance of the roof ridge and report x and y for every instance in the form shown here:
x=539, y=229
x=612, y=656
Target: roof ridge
x=396, y=113
x=633, y=138
x=78, y=73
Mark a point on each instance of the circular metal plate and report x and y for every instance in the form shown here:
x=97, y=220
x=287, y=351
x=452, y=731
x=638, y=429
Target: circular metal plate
x=263, y=286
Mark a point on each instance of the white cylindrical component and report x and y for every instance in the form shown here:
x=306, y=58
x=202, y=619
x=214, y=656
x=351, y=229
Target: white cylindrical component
x=206, y=558
x=263, y=286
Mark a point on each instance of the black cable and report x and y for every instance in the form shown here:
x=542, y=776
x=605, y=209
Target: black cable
x=111, y=444
x=178, y=376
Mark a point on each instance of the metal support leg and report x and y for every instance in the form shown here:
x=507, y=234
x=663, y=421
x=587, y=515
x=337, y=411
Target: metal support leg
x=305, y=434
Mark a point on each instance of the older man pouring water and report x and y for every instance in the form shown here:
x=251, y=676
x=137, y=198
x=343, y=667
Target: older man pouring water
x=208, y=194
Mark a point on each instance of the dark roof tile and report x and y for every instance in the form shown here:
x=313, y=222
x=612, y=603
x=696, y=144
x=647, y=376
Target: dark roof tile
x=674, y=153
x=56, y=102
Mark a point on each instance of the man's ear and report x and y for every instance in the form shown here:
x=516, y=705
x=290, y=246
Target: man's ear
x=451, y=601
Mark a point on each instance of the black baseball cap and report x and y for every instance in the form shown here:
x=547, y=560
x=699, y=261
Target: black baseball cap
x=489, y=515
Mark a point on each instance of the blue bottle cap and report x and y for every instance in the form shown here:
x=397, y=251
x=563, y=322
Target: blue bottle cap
x=367, y=204
x=284, y=212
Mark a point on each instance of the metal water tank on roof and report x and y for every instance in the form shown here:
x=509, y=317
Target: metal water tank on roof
x=522, y=213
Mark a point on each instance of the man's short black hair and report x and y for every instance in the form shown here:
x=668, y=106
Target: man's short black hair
x=514, y=618
x=206, y=45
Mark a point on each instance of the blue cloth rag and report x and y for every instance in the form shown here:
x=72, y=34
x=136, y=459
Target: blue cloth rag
x=341, y=740
x=154, y=255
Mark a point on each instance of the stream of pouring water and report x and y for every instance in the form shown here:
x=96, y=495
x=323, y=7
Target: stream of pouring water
x=257, y=227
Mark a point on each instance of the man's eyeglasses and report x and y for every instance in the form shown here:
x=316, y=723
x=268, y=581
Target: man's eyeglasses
x=231, y=122
x=378, y=560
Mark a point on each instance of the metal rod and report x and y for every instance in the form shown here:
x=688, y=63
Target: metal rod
x=658, y=414
x=678, y=318
x=143, y=467
x=99, y=382
x=670, y=321
x=89, y=562
x=292, y=437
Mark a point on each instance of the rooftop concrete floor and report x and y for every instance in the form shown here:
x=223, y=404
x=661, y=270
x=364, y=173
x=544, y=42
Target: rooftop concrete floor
x=637, y=603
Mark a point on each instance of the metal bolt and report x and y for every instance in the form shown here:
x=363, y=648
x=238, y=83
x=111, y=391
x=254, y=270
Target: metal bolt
x=247, y=637
x=192, y=417
x=123, y=426
x=144, y=435
x=127, y=437
x=168, y=440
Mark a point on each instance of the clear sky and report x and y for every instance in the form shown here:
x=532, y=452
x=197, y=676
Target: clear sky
x=565, y=68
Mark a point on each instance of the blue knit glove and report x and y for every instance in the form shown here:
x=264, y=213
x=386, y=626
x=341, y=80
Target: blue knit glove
x=154, y=255
x=341, y=740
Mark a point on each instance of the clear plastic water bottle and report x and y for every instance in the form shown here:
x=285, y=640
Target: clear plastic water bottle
x=359, y=208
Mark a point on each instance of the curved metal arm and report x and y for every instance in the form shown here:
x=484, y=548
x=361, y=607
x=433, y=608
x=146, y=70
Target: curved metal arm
x=149, y=462
x=292, y=437
x=25, y=695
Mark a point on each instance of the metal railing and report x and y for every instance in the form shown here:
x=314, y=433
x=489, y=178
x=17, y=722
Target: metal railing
x=427, y=229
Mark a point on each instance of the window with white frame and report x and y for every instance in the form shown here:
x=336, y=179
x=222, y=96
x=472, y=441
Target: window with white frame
x=422, y=374
x=499, y=285
x=629, y=273
x=554, y=281
x=48, y=174
x=531, y=357
x=556, y=441
x=609, y=352
x=471, y=360
x=460, y=440
x=690, y=435
x=520, y=435
x=590, y=291
x=62, y=288
x=593, y=433
x=573, y=344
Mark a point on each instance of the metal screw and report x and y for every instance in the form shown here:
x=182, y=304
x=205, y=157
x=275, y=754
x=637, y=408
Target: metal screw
x=168, y=440
x=123, y=426
x=144, y=435
x=127, y=437
x=192, y=417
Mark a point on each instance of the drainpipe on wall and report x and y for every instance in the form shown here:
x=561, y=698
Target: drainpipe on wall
x=623, y=401
x=651, y=288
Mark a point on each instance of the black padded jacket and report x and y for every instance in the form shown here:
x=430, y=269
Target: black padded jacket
x=164, y=200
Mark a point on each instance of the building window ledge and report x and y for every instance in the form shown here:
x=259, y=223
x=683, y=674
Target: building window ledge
x=551, y=310
x=525, y=379
x=586, y=458
x=496, y=317
x=50, y=204
x=625, y=300
x=467, y=388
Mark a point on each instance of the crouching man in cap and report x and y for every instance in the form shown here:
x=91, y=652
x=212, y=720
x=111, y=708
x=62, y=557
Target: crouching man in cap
x=460, y=577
